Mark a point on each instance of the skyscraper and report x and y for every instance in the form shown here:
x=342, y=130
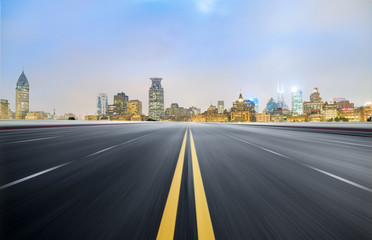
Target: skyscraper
x=120, y=102
x=280, y=93
x=22, y=96
x=271, y=106
x=221, y=106
x=102, y=103
x=297, y=101
x=255, y=101
x=156, y=99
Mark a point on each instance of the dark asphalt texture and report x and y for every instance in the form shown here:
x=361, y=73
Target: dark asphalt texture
x=260, y=182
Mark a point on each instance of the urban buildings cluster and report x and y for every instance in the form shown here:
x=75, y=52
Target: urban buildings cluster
x=242, y=110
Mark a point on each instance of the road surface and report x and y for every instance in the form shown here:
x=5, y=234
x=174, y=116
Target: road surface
x=184, y=181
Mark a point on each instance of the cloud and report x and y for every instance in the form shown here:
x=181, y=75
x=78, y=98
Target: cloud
x=206, y=6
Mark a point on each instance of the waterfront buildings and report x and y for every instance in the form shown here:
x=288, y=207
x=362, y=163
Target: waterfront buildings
x=263, y=117
x=297, y=101
x=22, y=96
x=35, y=115
x=211, y=115
x=4, y=109
x=343, y=103
x=242, y=112
x=315, y=106
x=134, y=107
x=330, y=111
x=102, y=104
x=156, y=99
x=221, y=106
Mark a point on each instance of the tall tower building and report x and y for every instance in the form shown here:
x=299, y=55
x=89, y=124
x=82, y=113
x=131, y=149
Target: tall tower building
x=22, y=96
x=156, y=99
x=297, y=101
x=280, y=93
x=221, y=106
x=102, y=103
x=255, y=101
x=120, y=102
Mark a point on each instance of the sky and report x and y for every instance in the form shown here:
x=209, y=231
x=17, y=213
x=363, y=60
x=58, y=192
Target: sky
x=205, y=50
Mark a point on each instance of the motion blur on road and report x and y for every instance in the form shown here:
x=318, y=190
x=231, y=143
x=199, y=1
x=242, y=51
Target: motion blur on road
x=113, y=182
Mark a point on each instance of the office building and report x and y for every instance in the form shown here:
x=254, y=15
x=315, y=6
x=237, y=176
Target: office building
x=134, y=107
x=102, y=104
x=156, y=99
x=297, y=101
x=22, y=96
x=4, y=109
x=120, y=102
x=255, y=101
x=330, y=111
x=221, y=106
x=271, y=106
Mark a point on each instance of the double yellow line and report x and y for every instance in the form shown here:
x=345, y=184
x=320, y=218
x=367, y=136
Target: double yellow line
x=203, y=219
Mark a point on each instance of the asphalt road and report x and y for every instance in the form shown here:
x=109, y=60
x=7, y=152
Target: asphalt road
x=223, y=181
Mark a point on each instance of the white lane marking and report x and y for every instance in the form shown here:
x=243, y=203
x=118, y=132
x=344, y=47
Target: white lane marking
x=32, y=176
x=265, y=149
x=31, y=140
x=103, y=150
x=314, y=168
x=340, y=178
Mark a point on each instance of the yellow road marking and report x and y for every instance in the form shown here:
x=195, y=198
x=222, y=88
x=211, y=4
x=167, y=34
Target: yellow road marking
x=168, y=220
x=203, y=219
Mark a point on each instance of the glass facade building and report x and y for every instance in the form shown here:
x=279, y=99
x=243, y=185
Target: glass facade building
x=156, y=99
x=22, y=96
x=102, y=103
x=297, y=101
x=221, y=106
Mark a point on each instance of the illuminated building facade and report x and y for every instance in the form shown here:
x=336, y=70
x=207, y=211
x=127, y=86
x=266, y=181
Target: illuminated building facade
x=315, y=96
x=297, y=101
x=156, y=99
x=221, y=106
x=242, y=112
x=211, y=115
x=22, y=96
x=263, y=117
x=4, y=109
x=102, y=104
x=330, y=111
x=120, y=102
x=134, y=107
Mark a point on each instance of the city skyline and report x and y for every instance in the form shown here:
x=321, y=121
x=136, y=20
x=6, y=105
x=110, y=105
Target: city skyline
x=206, y=52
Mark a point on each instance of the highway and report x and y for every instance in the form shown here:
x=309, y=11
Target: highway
x=184, y=181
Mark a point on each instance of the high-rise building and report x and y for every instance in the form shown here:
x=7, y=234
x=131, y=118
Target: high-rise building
x=280, y=102
x=22, y=96
x=315, y=96
x=255, y=101
x=221, y=106
x=102, y=104
x=156, y=99
x=120, y=102
x=4, y=109
x=134, y=107
x=297, y=101
x=271, y=106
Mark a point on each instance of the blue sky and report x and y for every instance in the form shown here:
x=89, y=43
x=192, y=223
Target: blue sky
x=206, y=50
